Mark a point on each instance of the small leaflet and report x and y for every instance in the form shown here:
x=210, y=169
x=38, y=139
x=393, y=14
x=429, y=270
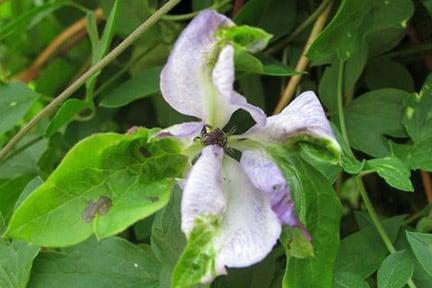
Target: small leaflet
x=101, y=207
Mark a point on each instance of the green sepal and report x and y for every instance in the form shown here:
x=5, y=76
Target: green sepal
x=295, y=243
x=197, y=262
x=244, y=37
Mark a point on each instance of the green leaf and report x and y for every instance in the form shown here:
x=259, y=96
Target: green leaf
x=386, y=73
x=16, y=99
x=415, y=156
x=24, y=162
x=418, y=113
x=142, y=85
x=167, y=239
x=275, y=17
x=393, y=171
x=373, y=115
x=29, y=188
x=198, y=259
x=56, y=75
x=348, y=31
x=2, y=224
x=395, y=271
x=248, y=63
x=353, y=69
x=100, y=46
x=29, y=18
x=10, y=190
x=110, y=263
x=319, y=210
x=421, y=245
x=350, y=163
x=104, y=184
x=366, y=245
x=16, y=258
x=65, y=114
x=349, y=280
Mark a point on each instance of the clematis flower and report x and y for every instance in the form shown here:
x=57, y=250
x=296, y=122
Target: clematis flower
x=250, y=198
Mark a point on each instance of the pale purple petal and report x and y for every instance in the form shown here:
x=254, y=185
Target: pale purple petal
x=183, y=130
x=304, y=116
x=266, y=176
x=203, y=192
x=199, y=75
x=186, y=80
x=257, y=113
x=250, y=228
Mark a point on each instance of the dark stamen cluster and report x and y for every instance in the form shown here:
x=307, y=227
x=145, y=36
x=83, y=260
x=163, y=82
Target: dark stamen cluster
x=213, y=137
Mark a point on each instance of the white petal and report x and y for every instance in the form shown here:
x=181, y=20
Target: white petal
x=203, y=192
x=303, y=116
x=186, y=80
x=249, y=228
x=199, y=75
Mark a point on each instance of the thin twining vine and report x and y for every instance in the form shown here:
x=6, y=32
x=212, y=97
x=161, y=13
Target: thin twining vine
x=126, y=43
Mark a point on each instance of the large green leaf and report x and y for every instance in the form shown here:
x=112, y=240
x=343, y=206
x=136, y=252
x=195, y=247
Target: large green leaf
x=104, y=184
x=395, y=271
x=418, y=113
x=350, y=280
x=373, y=115
x=319, y=209
x=110, y=263
x=246, y=62
x=393, y=171
x=348, y=31
x=385, y=73
x=142, y=85
x=421, y=245
x=366, y=245
x=416, y=156
x=16, y=99
x=16, y=258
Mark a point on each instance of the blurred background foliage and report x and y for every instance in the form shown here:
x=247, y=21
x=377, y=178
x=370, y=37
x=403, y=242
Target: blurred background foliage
x=386, y=61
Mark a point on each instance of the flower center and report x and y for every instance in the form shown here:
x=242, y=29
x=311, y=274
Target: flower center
x=213, y=137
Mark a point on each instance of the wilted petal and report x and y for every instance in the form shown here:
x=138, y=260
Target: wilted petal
x=303, y=116
x=199, y=75
x=249, y=229
x=203, y=192
x=267, y=177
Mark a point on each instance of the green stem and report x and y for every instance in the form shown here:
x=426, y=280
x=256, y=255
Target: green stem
x=368, y=204
x=379, y=227
x=283, y=42
x=188, y=16
x=373, y=215
x=126, y=43
x=340, y=100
